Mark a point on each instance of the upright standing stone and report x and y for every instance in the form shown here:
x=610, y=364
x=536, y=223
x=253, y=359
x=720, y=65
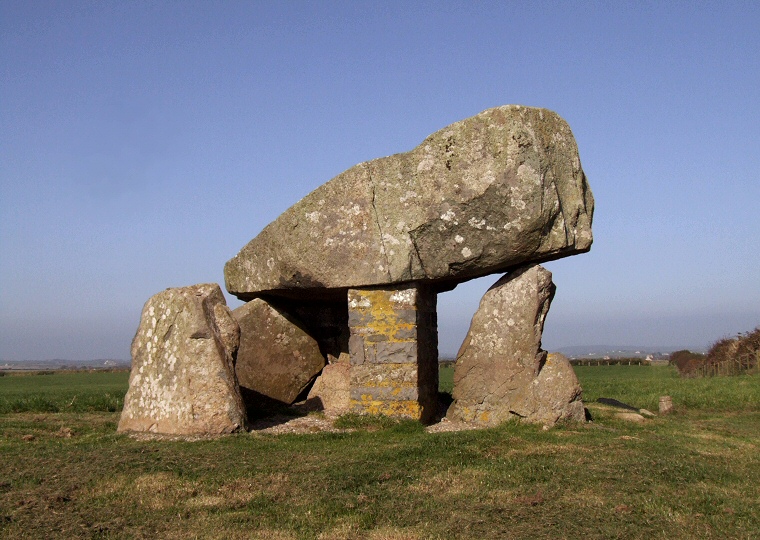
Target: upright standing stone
x=393, y=347
x=501, y=371
x=277, y=357
x=183, y=377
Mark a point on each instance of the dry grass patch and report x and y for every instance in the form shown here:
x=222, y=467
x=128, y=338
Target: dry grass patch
x=353, y=532
x=584, y=497
x=450, y=483
x=159, y=491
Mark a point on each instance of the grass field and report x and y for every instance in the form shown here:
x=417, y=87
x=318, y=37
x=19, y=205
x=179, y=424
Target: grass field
x=63, y=392
x=693, y=474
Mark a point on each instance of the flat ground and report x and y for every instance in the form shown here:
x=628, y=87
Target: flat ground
x=65, y=473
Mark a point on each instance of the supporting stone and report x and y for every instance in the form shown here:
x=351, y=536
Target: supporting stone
x=393, y=347
x=183, y=377
x=501, y=371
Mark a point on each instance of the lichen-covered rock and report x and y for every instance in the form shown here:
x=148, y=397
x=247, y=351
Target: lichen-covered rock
x=480, y=196
x=501, y=371
x=277, y=358
x=183, y=377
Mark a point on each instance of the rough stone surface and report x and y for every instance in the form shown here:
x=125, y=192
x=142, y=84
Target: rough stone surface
x=480, y=196
x=394, y=352
x=501, y=371
x=183, y=380
x=332, y=389
x=556, y=393
x=277, y=358
x=666, y=404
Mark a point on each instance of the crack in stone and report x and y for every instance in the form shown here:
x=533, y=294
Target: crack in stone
x=415, y=253
x=561, y=213
x=379, y=228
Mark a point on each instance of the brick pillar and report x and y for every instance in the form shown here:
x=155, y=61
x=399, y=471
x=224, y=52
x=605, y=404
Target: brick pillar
x=393, y=347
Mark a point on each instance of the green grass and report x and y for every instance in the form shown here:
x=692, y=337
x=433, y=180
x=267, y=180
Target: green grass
x=446, y=378
x=642, y=387
x=694, y=474
x=63, y=392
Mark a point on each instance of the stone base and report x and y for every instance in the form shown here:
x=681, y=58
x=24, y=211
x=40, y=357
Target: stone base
x=393, y=347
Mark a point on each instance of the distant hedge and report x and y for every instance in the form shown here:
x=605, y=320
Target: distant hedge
x=727, y=356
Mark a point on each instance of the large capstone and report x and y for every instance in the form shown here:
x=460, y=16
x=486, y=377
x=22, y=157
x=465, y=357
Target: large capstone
x=480, y=196
x=501, y=371
x=277, y=358
x=183, y=377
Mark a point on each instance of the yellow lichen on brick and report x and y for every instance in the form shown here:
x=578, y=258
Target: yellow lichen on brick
x=383, y=316
x=404, y=409
x=375, y=382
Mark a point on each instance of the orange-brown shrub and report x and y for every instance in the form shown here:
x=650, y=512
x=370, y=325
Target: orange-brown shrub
x=687, y=362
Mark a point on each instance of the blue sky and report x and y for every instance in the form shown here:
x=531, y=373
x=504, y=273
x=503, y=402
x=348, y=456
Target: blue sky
x=144, y=143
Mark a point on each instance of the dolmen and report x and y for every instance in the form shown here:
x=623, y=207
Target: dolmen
x=341, y=288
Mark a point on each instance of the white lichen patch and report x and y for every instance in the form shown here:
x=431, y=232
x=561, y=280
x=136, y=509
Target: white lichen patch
x=466, y=252
x=404, y=296
x=408, y=195
x=360, y=302
x=428, y=162
x=476, y=223
x=519, y=204
x=528, y=175
x=513, y=225
x=449, y=216
x=458, y=239
x=390, y=239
